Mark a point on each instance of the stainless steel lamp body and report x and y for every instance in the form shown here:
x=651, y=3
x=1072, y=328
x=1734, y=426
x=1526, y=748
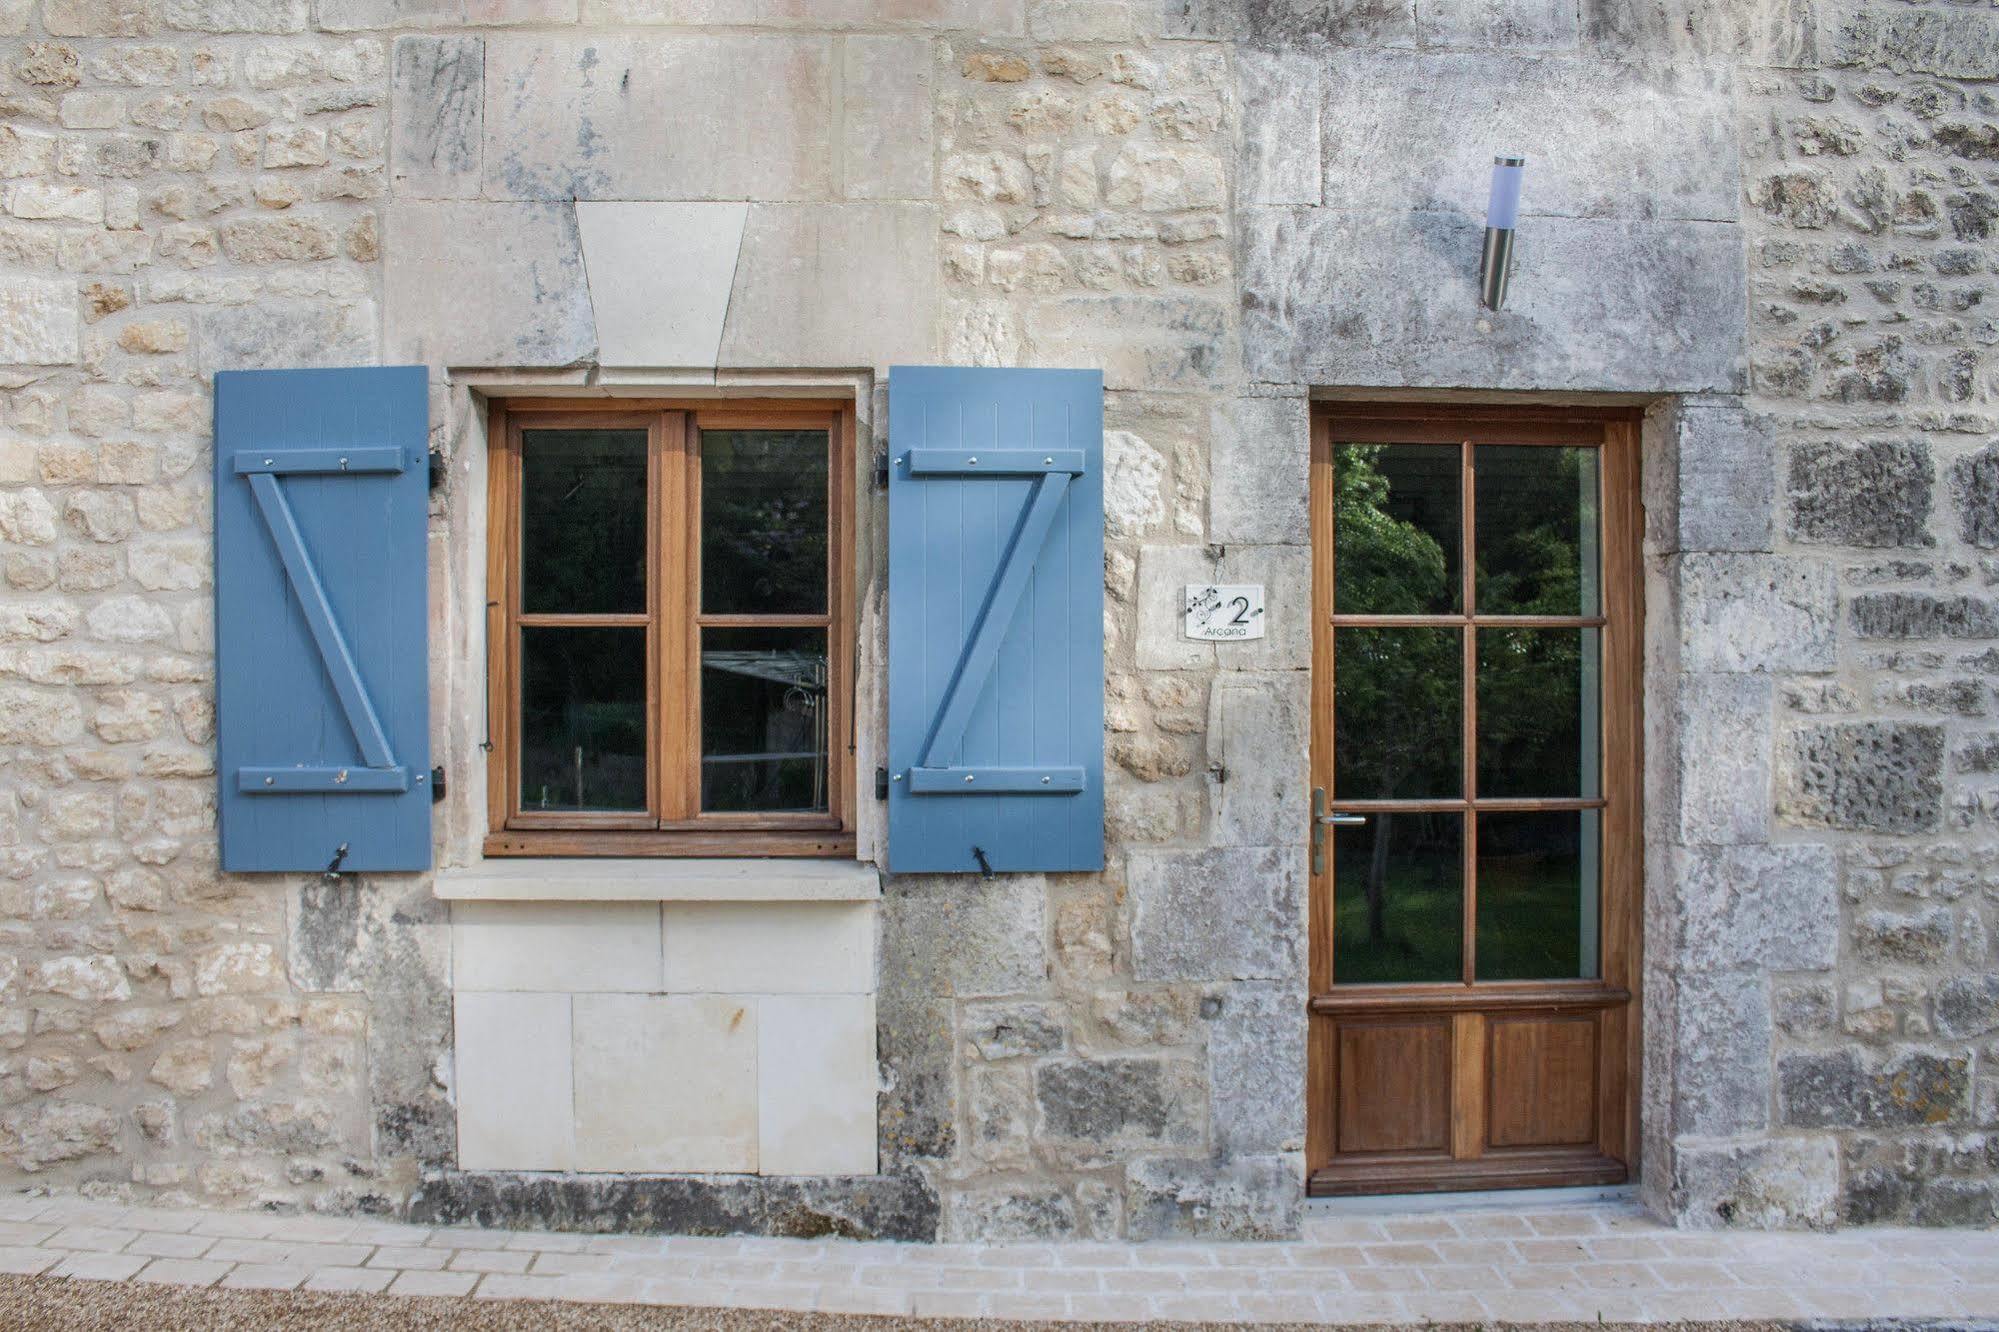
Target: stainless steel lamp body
x=1502, y=210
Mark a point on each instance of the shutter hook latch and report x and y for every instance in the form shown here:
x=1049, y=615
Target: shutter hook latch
x=985, y=866
x=333, y=865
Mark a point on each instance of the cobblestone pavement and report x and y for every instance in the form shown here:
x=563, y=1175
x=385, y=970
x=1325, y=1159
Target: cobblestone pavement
x=1586, y=1262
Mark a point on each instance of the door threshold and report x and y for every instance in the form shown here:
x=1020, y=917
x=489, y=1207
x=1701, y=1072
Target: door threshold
x=1404, y=1204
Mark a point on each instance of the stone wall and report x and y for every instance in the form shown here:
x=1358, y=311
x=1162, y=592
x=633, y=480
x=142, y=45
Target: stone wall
x=1768, y=219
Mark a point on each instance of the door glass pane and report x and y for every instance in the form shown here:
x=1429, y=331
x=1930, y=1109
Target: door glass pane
x=764, y=720
x=1397, y=700
x=1536, y=544
x=763, y=521
x=1398, y=899
x=583, y=719
x=1396, y=529
x=1537, y=895
x=583, y=520
x=1538, y=712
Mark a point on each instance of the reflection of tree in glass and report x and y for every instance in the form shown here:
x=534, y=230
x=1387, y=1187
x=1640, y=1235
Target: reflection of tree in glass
x=763, y=520
x=1397, y=690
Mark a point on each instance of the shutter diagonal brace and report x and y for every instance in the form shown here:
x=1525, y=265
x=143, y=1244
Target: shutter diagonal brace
x=333, y=653
x=1051, y=472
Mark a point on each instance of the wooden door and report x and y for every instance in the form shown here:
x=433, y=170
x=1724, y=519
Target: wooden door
x=1475, y=833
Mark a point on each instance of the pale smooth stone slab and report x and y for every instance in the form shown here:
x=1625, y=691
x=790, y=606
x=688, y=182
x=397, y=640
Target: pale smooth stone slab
x=660, y=275
x=816, y=1085
x=575, y=946
x=769, y=947
x=515, y=1104
x=666, y=1083
x=608, y=880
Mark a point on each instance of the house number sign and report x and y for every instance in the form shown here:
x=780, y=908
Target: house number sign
x=1224, y=612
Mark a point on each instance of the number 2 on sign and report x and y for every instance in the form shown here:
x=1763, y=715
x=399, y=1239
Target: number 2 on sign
x=1220, y=613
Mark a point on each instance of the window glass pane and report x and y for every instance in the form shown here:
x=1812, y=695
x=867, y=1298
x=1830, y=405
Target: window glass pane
x=1395, y=529
x=583, y=719
x=1537, y=895
x=583, y=520
x=763, y=521
x=1397, y=700
x=764, y=720
x=1536, y=544
x=1398, y=899
x=1538, y=712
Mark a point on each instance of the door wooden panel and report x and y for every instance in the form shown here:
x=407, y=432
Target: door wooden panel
x=1395, y=1086
x=1541, y=1081
x=1492, y=635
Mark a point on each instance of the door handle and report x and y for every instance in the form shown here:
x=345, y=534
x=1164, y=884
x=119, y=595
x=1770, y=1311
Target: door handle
x=1344, y=820
x=1320, y=820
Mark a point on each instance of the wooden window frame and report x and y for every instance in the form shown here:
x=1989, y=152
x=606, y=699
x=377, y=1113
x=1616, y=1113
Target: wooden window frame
x=673, y=824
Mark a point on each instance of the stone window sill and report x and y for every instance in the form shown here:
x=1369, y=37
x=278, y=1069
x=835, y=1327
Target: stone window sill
x=613, y=880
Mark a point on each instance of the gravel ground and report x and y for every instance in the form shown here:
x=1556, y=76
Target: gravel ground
x=40, y=1303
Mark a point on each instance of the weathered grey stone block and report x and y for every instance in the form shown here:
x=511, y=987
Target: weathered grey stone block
x=1954, y=43
x=1281, y=23
x=1103, y=1110
x=1719, y=474
x=1007, y=1028
x=1251, y=1197
x=1257, y=730
x=1500, y=25
x=1769, y=907
x=1164, y=574
x=1967, y=1006
x=1923, y=615
x=1770, y=1183
x=1278, y=158
x=1405, y=154
x=1259, y=484
x=1725, y=745
x=437, y=118
x=834, y=285
x=1721, y=1046
x=1783, y=33
x=1974, y=491
x=967, y=937
x=1233, y=914
x=885, y=125
x=486, y=284
x=364, y=15
x=1844, y=1089
x=1256, y=1068
x=1010, y=1214
x=1903, y=937
x=901, y=1207
x=287, y=334
x=1867, y=776
x=1149, y=341
x=1391, y=298
x=659, y=117
x=1756, y=613
x=1871, y=494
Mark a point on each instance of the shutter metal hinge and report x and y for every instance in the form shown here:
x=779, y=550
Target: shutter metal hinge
x=881, y=783
x=436, y=469
x=436, y=785
x=881, y=471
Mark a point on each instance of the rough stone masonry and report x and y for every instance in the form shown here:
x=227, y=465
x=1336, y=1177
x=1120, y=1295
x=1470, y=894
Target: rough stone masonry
x=1771, y=219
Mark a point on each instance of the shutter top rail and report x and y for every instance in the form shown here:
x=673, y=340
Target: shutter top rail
x=368, y=458
x=994, y=462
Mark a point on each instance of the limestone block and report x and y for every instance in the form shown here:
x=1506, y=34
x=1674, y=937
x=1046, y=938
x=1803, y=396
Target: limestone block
x=1852, y=1089
x=667, y=117
x=1134, y=476
x=964, y=937
x=834, y=285
x=486, y=284
x=1258, y=730
x=1661, y=142
x=1922, y=615
x=1103, y=1110
x=1953, y=43
x=286, y=335
x=1769, y=907
x=579, y=946
x=1249, y=1198
x=987, y=17
x=1284, y=23
x=44, y=1133
x=1716, y=475
x=1782, y=33
x=886, y=118
x=1229, y=914
x=1335, y=297
x=666, y=1083
x=272, y=16
x=1967, y=1006
x=1256, y=1068
x=364, y=15
x=1866, y=776
x=1138, y=341
x=1974, y=492
x=1721, y=1054
x=513, y=1078
x=1499, y=25
x=1278, y=157
x=1010, y=1028
x=1756, y=613
x=768, y=948
x=437, y=116
x=1259, y=484
x=1724, y=748
x=816, y=1085
x=1767, y=1183
x=1874, y=493
x=1164, y=573
x=660, y=275
x=38, y=321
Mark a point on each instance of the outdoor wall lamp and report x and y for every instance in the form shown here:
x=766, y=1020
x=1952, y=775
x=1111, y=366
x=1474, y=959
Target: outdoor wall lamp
x=1502, y=210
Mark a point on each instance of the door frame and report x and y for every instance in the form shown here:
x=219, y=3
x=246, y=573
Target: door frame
x=1614, y=1000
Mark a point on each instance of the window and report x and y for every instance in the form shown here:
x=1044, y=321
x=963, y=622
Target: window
x=670, y=660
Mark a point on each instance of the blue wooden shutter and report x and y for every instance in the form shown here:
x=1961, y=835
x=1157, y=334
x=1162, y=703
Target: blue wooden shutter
x=995, y=620
x=322, y=688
